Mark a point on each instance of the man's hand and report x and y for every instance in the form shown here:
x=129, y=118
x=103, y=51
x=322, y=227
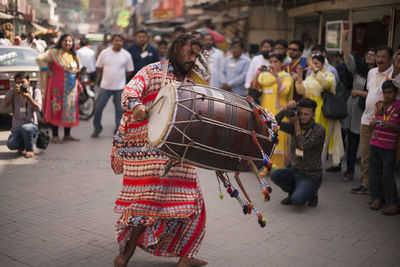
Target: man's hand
x=373, y=123
x=346, y=35
x=139, y=113
x=294, y=119
x=291, y=104
x=225, y=86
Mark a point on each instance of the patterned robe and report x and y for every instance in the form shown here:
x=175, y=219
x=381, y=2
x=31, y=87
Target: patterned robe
x=172, y=208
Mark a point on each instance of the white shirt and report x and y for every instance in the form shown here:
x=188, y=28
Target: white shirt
x=88, y=58
x=255, y=64
x=115, y=65
x=215, y=61
x=375, y=80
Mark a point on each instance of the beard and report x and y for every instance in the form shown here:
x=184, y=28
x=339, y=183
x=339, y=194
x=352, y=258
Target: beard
x=185, y=67
x=266, y=55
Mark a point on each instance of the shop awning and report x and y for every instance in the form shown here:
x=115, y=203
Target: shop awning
x=38, y=27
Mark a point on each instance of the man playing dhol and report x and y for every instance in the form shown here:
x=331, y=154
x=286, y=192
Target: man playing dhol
x=303, y=179
x=163, y=216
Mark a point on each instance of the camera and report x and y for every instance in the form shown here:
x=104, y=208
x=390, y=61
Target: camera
x=292, y=112
x=23, y=89
x=264, y=68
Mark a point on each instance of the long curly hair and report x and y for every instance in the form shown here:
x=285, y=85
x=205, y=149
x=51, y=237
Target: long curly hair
x=201, y=64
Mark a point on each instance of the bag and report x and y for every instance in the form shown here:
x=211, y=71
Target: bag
x=43, y=139
x=255, y=94
x=361, y=100
x=334, y=106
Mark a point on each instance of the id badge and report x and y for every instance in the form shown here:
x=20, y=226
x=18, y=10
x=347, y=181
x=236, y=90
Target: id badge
x=232, y=64
x=22, y=110
x=73, y=64
x=268, y=91
x=144, y=54
x=299, y=153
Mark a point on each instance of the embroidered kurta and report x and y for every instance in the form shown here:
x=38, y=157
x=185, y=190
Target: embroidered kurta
x=275, y=99
x=172, y=208
x=60, y=91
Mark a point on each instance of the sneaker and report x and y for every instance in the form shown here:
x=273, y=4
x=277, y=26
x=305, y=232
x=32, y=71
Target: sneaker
x=286, y=201
x=334, y=169
x=360, y=190
x=347, y=177
x=392, y=209
x=95, y=133
x=313, y=201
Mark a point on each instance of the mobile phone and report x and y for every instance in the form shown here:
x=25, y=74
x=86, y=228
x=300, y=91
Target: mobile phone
x=303, y=62
x=379, y=122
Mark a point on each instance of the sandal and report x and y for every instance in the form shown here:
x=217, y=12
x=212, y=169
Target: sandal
x=392, y=209
x=70, y=138
x=56, y=140
x=376, y=204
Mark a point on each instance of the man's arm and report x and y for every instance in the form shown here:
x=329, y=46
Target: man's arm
x=9, y=97
x=284, y=126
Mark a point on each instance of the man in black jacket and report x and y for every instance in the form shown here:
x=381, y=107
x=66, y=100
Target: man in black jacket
x=303, y=179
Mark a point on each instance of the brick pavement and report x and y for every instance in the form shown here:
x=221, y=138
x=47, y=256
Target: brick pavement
x=57, y=210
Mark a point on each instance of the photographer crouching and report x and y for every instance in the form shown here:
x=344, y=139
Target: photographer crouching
x=26, y=101
x=303, y=179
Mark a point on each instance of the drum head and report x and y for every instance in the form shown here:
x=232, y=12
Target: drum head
x=161, y=114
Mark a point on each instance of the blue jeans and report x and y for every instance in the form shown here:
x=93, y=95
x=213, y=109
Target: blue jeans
x=382, y=171
x=101, y=102
x=301, y=187
x=23, y=137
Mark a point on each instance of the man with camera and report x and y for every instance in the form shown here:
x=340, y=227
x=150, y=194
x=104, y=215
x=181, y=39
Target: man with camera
x=26, y=102
x=303, y=179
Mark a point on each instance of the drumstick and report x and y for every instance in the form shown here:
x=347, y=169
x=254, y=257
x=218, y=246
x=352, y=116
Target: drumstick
x=239, y=182
x=148, y=109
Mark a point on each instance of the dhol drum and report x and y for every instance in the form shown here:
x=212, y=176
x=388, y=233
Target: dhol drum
x=207, y=127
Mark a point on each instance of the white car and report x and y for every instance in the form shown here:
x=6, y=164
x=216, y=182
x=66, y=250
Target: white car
x=14, y=59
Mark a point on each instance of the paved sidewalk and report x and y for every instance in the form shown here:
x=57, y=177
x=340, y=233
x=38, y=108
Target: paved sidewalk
x=57, y=210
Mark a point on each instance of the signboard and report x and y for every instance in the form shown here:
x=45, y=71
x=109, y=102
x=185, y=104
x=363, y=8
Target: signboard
x=76, y=16
x=163, y=14
x=123, y=18
x=333, y=34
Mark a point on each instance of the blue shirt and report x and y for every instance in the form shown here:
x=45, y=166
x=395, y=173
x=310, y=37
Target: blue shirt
x=142, y=57
x=234, y=73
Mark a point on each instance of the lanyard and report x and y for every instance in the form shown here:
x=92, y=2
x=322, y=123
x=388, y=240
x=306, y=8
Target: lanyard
x=293, y=66
x=381, y=78
x=384, y=114
x=144, y=47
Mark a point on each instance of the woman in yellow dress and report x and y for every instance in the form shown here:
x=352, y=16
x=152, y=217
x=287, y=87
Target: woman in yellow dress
x=322, y=79
x=277, y=90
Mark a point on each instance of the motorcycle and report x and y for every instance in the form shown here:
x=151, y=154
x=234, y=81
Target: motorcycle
x=86, y=96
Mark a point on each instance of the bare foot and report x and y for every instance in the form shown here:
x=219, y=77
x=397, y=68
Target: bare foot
x=190, y=262
x=121, y=260
x=29, y=154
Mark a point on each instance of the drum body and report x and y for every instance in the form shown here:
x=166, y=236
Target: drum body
x=206, y=127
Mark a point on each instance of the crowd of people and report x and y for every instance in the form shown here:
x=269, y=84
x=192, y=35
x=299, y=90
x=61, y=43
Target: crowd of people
x=286, y=78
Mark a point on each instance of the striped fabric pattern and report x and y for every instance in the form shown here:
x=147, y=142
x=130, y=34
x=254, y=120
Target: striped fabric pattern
x=172, y=208
x=386, y=137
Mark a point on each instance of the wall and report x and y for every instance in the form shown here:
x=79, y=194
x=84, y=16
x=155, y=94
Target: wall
x=265, y=22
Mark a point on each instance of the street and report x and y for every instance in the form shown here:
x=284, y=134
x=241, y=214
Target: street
x=57, y=210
